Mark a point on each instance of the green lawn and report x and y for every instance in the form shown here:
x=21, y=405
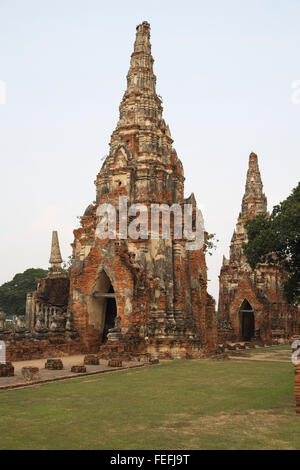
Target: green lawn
x=194, y=404
x=274, y=352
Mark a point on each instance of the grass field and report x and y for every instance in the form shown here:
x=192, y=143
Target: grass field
x=275, y=353
x=233, y=404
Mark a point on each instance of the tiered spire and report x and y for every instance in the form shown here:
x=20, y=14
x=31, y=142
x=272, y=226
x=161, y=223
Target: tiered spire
x=254, y=203
x=140, y=75
x=140, y=105
x=55, y=257
x=254, y=200
x=142, y=138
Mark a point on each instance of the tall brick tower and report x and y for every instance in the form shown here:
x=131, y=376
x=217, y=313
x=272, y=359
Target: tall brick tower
x=250, y=301
x=137, y=296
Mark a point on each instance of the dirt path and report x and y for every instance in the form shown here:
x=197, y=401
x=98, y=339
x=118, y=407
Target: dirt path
x=260, y=357
x=46, y=375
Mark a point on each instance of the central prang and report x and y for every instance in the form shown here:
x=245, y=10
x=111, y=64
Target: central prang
x=154, y=286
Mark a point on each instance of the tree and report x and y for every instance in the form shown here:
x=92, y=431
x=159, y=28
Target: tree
x=276, y=240
x=67, y=265
x=13, y=293
x=210, y=243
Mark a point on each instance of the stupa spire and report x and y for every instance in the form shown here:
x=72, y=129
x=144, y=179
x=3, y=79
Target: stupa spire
x=141, y=136
x=140, y=75
x=140, y=104
x=254, y=200
x=55, y=257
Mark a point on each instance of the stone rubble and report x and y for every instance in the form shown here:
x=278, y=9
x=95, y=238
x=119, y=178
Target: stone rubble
x=30, y=373
x=54, y=364
x=7, y=370
x=78, y=369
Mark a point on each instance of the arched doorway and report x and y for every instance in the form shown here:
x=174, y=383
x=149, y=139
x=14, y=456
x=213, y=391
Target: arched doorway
x=247, y=322
x=110, y=314
x=102, y=307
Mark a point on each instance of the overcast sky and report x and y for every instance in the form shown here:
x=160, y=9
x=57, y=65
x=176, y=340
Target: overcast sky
x=225, y=70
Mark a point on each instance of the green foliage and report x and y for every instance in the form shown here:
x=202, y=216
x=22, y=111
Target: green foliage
x=210, y=243
x=260, y=241
x=277, y=240
x=67, y=265
x=13, y=293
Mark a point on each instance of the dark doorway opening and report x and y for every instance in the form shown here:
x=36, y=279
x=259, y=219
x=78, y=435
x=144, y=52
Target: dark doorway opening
x=110, y=314
x=102, y=307
x=247, y=321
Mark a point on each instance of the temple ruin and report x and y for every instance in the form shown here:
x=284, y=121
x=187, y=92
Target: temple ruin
x=251, y=306
x=50, y=300
x=47, y=329
x=135, y=296
x=142, y=297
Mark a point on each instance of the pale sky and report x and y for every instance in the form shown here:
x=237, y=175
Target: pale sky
x=224, y=69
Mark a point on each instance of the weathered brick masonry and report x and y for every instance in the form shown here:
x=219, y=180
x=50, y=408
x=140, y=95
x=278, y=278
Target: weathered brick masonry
x=155, y=288
x=48, y=329
x=250, y=301
x=147, y=298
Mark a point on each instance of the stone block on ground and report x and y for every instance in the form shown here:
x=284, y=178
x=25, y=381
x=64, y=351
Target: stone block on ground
x=7, y=370
x=91, y=360
x=78, y=369
x=30, y=373
x=114, y=363
x=54, y=364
